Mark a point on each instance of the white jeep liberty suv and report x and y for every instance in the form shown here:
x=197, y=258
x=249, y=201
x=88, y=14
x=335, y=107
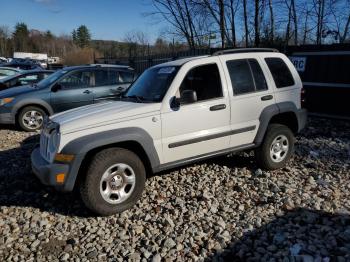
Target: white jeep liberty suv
x=174, y=114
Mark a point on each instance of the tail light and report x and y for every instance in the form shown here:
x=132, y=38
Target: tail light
x=302, y=97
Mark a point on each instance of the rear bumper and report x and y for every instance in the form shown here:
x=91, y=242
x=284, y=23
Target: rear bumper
x=46, y=172
x=302, y=118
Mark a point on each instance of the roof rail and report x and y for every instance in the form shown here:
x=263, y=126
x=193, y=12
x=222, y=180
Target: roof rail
x=109, y=65
x=245, y=50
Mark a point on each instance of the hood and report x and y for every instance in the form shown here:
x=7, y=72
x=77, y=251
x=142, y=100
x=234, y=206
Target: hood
x=102, y=114
x=15, y=91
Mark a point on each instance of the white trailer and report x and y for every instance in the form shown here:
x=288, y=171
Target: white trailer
x=42, y=58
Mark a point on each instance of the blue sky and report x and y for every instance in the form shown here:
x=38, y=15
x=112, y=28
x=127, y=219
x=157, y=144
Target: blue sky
x=106, y=19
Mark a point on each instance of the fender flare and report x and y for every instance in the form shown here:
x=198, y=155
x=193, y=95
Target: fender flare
x=268, y=113
x=81, y=146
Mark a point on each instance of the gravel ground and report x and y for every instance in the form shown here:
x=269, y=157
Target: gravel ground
x=225, y=209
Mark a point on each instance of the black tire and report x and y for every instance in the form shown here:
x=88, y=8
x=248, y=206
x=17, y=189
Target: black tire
x=102, y=161
x=21, y=121
x=262, y=154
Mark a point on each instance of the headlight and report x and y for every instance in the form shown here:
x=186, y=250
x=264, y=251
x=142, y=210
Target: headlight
x=6, y=100
x=54, y=141
x=50, y=141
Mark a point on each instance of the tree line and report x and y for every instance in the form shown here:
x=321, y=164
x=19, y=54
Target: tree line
x=78, y=47
x=23, y=39
x=192, y=24
x=232, y=23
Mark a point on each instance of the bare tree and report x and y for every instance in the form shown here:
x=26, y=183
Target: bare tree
x=272, y=22
x=287, y=35
x=306, y=30
x=4, y=39
x=257, y=23
x=319, y=6
x=340, y=11
x=245, y=17
x=346, y=29
x=233, y=7
x=222, y=22
x=178, y=14
x=138, y=43
x=295, y=21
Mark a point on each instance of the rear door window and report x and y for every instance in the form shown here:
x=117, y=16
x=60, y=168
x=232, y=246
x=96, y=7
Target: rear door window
x=246, y=76
x=78, y=79
x=101, y=78
x=280, y=72
x=259, y=78
x=113, y=77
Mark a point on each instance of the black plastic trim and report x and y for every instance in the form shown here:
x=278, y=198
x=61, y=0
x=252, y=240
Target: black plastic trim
x=81, y=146
x=276, y=109
x=245, y=50
x=209, y=137
x=194, y=159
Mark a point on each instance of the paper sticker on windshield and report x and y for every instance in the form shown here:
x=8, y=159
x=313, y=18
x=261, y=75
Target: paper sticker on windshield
x=166, y=70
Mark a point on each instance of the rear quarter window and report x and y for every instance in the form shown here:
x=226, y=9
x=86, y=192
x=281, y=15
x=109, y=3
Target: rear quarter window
x=280, y=72
x=126, y=77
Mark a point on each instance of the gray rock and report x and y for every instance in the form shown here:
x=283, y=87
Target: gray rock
x=157, y=258
x=64, y=257
x=169, y=243
x=91, y=254
x=35, y=244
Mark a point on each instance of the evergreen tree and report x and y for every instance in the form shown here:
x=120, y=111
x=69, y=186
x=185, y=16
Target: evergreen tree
x=48, y=34
x=83, y=36
x=21, y=37
x=74, y=37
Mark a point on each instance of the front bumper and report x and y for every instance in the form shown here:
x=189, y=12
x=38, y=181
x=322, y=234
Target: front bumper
x=302, y=118
x=46, y=172
x=6, y=116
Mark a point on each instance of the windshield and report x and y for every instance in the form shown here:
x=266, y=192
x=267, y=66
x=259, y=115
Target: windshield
x=52, y=78
x=7, y=78
x=153, y=84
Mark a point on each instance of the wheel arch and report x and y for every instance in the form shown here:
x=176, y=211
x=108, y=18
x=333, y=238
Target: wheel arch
x=284, y=113
x=84, y=148
x=32, y=102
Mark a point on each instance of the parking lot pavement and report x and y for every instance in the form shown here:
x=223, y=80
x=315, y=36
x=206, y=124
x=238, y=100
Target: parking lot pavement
x=223, y=208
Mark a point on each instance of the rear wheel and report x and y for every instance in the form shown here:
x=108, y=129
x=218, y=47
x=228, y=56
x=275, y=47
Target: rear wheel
x=277, y=147
x=31, y=118
x=114, y=181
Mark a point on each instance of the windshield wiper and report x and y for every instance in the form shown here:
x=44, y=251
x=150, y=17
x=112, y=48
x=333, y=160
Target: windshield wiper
x=139, y=99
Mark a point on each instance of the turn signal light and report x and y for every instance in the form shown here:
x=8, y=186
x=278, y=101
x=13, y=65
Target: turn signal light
x=64, y=158
x=60, y=178
x=8, y=100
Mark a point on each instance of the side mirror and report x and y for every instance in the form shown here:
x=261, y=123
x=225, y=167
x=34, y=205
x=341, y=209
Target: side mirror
x=175, y=103
x=188, y=97
x=56, y=87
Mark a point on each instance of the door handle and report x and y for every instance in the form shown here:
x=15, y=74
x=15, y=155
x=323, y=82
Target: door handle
x=87, y=92
x=265, y=98
x=217, y=107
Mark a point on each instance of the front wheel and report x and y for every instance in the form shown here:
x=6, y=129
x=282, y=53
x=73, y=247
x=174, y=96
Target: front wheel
x=277, y=147
x=114, y=181
x=31, y=118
